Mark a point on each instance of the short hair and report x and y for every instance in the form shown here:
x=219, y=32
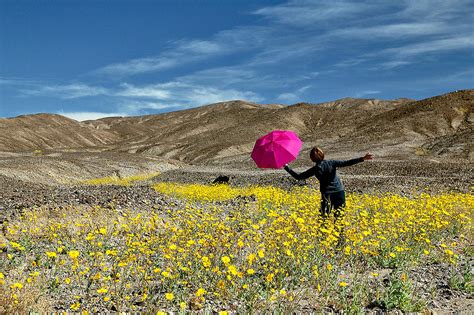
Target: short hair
x=316, y=154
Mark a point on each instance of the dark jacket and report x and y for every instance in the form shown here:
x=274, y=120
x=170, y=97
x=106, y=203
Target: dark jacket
x=325, y=172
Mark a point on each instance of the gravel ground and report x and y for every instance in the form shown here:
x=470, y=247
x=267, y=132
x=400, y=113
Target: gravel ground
x=403, y=177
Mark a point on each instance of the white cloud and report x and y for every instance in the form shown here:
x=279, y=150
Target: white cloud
x=410, y=53
x=438, y=45
x=140, y=65
x=193, y=94
x=306, y=13
x=436, y=9
x=392, y=31
x=416, y=27
x=392, y=64
x=288, y=97
x=145, y=92
x=293, y=97
x=180, y=93
x=137, y=99
x=17, y=81
x=366, y=93
x=182, y=52
x=82, y=116
x=137, y=107
x=68, y=91
x=201, y=46
x=207, y=95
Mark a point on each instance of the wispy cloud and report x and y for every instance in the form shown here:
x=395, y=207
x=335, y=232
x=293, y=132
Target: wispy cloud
x=390, y=64
x=393, y=31
x=195, y=95
x=367, y=93
x=438, y=46
x=151, y=91
x=288, y=97
x=68, y=91
x=307, y=13
x=187, y=94
x=183, y=52
x=82, y=116
x=411, y=28
x=180, y=53
x=138, y=107
x=295, y=96
x=140, y=65
x=181, y=95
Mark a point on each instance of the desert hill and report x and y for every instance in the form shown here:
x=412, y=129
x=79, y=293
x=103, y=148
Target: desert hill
x=224, y=133
x=49, y=131
x=443, y=125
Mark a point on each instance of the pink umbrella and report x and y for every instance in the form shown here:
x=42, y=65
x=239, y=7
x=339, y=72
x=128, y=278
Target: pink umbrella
x=276, y=149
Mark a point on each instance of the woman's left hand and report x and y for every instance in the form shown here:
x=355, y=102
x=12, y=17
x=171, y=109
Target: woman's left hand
x=368, y=156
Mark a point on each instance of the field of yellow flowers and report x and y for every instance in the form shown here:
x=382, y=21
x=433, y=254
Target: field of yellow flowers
x=228, y=249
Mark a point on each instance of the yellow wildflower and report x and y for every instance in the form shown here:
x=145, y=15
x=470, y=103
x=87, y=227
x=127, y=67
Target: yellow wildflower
x=200, y=292
x=75, y=306
x=225, y=259
x=51, y=254
x=205, y=261
x=269, y=277
x=102, y=290
x=73, y=254
x=16, y=285
x=233, y=270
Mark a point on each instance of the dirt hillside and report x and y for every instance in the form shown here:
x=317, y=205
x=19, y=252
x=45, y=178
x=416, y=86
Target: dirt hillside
x=440, y=128
x=49, y=131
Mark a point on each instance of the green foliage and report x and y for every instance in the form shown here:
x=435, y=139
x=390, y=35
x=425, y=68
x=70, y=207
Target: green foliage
x=464, y=282
x=399, y=294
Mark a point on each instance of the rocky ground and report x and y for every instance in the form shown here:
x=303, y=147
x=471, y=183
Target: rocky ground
x=404, y=177
x=387, y=176
x=17, y=194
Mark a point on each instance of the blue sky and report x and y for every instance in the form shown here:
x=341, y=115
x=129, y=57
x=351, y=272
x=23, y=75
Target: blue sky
x=89, y=59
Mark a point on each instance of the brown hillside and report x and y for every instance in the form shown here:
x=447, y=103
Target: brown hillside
x=441, y=125
x=49, y=131
x=225, y=132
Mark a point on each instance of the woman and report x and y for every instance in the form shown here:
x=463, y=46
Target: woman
x=332, y=190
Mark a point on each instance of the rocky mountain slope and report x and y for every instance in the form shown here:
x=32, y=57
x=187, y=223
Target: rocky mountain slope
x=224, y=133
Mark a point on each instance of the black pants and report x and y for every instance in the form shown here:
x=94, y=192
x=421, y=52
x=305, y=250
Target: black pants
x=331, y=201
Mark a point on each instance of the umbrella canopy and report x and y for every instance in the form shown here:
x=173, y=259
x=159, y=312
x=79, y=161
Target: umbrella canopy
x=276, y=149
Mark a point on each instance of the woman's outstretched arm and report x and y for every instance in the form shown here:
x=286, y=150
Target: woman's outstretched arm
x=306, y=174
x=366, y=157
